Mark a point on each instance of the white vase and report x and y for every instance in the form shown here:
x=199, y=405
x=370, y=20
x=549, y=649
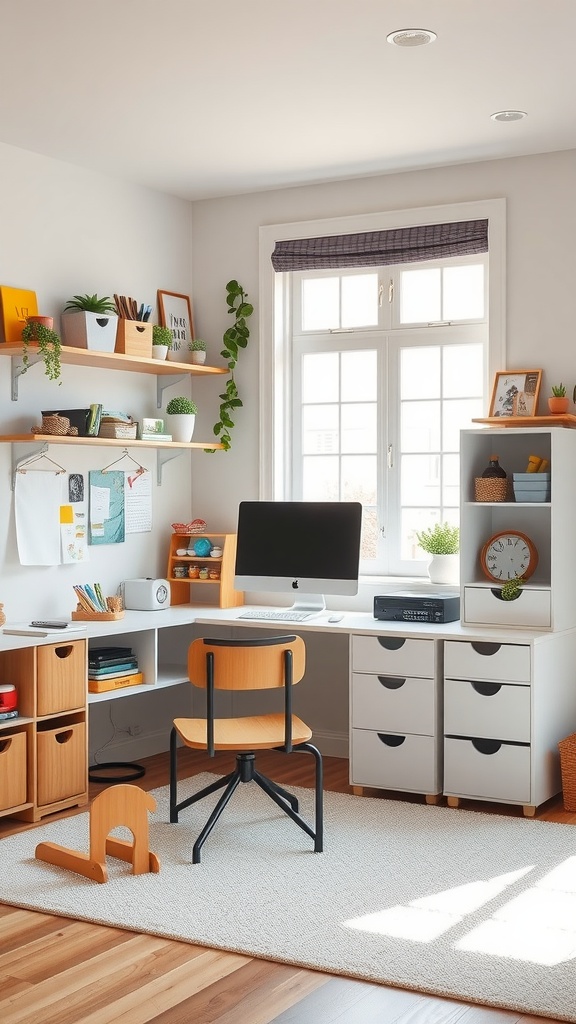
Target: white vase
x=198, y=356
x=177, y=354
x=181, y=426
x=159, y=351
x=444, y=569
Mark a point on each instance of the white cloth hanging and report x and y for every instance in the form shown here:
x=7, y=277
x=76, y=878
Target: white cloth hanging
x=36, y=504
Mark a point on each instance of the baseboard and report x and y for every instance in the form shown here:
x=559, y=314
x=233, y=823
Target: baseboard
x=331, y=744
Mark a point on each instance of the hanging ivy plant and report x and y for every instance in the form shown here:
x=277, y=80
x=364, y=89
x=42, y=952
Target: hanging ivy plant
x=235, y=338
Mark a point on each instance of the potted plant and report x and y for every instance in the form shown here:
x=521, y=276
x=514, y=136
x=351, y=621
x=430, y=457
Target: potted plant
x=90, y=321
x=234, y=338
x=38, y=330
x=181, y=417
x=558, y=403
x=161, y=341
x=198, y=349
x=442, y=541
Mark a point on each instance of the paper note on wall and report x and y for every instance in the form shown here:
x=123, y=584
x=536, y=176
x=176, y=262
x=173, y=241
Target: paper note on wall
x=138, y=502
x=37, y=497
x=107, y=517
x=74, y=533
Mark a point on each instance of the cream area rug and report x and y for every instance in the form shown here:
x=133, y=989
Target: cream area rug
x=458, y=903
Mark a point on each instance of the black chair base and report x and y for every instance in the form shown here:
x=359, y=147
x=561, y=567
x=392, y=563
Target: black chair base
x=246, y=771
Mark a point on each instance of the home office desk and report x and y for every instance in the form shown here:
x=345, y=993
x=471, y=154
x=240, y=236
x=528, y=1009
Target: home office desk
x=433, y=709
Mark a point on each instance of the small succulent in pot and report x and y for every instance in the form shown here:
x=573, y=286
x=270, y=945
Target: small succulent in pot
x=91, y=304
x=558, y=391
x=197, y=345
x=181, y=406
x=161, y=335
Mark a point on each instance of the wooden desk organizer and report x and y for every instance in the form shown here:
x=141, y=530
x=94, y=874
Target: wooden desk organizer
x=134, y=338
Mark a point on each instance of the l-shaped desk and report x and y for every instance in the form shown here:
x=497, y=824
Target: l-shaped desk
x=464, y=712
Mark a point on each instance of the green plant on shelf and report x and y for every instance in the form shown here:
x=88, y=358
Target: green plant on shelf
x=197, y=345
x=441, y=539
x=559, y=391
x=91, y=304
x=235, y=338
x=511, y=589
x=49, y=348
x=181, y=406
x=161, y=335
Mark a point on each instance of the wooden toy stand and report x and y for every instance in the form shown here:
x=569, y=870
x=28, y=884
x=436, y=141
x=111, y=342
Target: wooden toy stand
x=119, y=805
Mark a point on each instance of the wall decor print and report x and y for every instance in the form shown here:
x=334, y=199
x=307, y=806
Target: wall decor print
x=106, y=516
x=16, y=304
x=515, y=393
x=176, y=313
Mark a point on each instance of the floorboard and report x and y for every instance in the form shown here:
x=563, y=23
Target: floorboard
x=57, y=971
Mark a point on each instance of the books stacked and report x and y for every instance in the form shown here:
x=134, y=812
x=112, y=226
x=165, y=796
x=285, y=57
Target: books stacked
x=112, y=668
x=118, y=428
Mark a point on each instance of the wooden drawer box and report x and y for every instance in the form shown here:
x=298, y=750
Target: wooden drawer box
x=405, y=763
x=508, y=663
x=134, y=338
x=483, y=607
x=503, y=774
x=62, y=677
x=12, y=769
x=393, y=703
x=61, y=762
x=496, y=711
x=393, y=655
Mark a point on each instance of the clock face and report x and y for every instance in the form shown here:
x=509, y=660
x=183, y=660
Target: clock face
x=508, y=555
x=161, y=594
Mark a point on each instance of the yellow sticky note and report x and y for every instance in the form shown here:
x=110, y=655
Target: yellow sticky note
x=66, y=514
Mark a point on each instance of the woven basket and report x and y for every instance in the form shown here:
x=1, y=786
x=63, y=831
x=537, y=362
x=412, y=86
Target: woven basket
x=490, y=488
x=55, y=425
x=567, y=748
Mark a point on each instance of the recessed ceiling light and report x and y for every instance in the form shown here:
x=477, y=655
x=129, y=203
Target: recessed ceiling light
x=509, y=115
x=411, y=37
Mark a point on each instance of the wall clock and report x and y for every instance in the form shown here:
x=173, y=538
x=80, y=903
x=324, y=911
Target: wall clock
x=507, y=555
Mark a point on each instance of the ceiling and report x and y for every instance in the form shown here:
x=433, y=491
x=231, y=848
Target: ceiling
x=205, y=98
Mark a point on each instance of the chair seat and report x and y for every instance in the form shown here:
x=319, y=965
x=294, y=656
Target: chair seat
x=260, y=732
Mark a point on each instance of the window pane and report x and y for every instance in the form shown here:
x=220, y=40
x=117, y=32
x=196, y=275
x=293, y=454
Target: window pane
x=359, y=479
x=420, y=372
x=320, y=429
x=463, y=293
x=462, y=371
x=420, y=426
x=420, y=296
x=320, y=377
x=359, y=428
x=451, y=481
x=320, y=299
x=457, y=416
x=359, y=376
x=369, y=537
x=320, y=478
x=360, y=300
x=420, y=480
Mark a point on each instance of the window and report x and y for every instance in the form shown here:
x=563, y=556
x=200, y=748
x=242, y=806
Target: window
x=379, y=369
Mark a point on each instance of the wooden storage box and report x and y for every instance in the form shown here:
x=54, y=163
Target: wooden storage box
x=61, y=762
x=12, y=769
x=62, y=677
x=134, y=338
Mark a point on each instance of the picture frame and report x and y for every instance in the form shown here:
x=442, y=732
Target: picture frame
x=176, y=313
x=15, y=305
x=515, y=393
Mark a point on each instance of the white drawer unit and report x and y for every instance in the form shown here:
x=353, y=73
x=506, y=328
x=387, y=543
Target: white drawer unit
x=484, y=769
x=395, y=714
x=484, y=606
x=487, y=659
x=496, y=711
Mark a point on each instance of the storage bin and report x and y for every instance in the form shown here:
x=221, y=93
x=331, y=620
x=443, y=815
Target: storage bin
x=400, y=762
x=531, y=486
x=12, y=769
x=567, y=748
x=394, y=703
x=487, y=770
x=393, y=655
x=491, y=488
x=134, y=338
x=62, y=677
x=61, y=762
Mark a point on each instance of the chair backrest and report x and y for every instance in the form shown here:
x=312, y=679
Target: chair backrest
x=246, y=664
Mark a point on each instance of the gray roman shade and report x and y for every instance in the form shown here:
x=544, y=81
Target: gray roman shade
x=374, y=248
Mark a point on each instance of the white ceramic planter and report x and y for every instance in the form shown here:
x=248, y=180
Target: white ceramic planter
x=444, y=569
x=181, y=427
x=96, y=331
x=159, y=351
x=198, y=357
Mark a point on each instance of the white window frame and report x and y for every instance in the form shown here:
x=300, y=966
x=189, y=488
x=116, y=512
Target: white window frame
x=275, y=314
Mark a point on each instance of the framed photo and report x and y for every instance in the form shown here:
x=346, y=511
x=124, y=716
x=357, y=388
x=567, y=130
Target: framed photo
x=16, y=305
x=176, y=313
x=515, y=393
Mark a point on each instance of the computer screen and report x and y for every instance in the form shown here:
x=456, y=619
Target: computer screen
x=306, y=548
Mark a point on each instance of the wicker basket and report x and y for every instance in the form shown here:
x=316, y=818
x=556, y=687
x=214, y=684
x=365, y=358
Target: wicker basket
x=490, y=488
x=55, y=425
x=567, y=748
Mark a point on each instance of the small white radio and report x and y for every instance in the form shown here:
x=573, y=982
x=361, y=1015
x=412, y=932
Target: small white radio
x=146, y=594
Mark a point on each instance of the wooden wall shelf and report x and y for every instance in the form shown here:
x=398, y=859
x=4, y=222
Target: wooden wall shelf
x=558, y=420
x=118, y=361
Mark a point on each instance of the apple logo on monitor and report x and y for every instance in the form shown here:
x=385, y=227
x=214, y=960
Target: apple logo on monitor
x=295, y=585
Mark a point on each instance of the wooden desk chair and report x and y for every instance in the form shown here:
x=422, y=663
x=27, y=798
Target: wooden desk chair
x=246, y=665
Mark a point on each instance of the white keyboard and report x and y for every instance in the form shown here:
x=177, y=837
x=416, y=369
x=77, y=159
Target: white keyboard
x=276, y=615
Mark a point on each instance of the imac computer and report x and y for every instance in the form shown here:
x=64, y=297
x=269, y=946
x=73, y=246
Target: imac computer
x=307, y=548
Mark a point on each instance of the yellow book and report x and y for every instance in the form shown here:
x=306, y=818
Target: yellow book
x=114, y=682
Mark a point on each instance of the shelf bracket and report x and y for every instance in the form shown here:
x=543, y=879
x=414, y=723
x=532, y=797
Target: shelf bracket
x=164, y=382
x=17, y=370
x=165, y=456
x=25, y=453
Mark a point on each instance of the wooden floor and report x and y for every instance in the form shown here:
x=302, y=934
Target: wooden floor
x=58, y=971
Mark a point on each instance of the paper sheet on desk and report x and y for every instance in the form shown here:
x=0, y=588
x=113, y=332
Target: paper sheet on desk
x=37, y=496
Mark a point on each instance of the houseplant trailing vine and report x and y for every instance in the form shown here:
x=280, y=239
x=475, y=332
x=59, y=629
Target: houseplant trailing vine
x=235, y=338
x=49, y=346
